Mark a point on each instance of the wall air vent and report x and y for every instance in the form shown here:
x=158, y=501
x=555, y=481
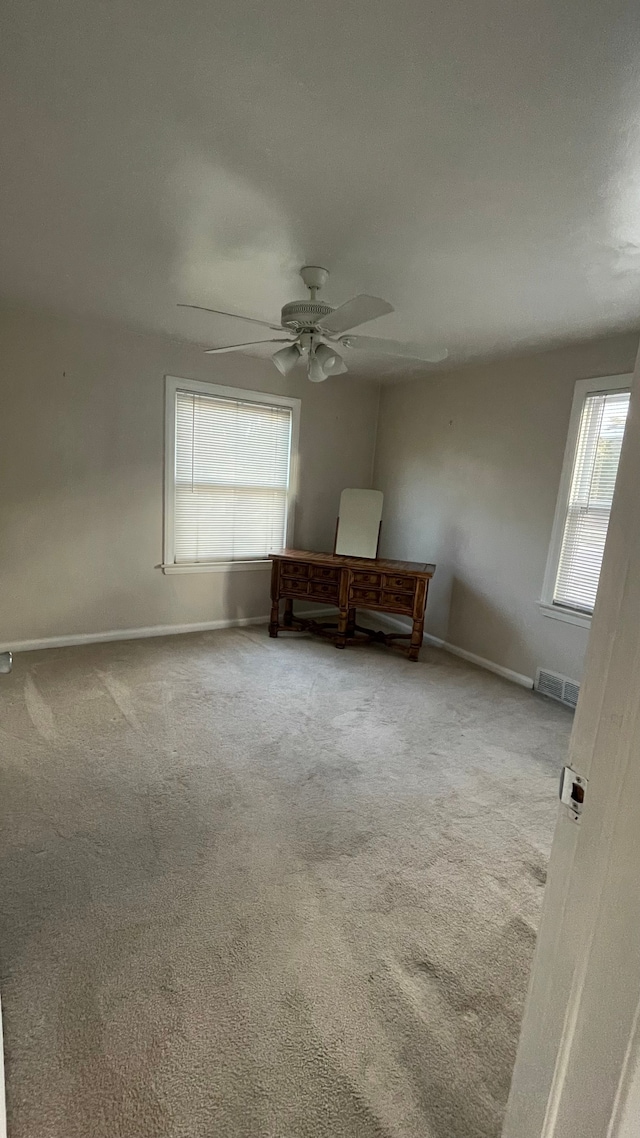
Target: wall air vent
x=557, y=687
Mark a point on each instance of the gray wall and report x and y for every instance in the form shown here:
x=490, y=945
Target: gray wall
x=81, y=468
x=469, y=462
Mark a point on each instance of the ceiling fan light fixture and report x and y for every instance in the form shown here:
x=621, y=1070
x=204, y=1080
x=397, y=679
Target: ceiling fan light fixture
x=315, y=370
x=327, y=357
x=286, y=358
x=337, y=365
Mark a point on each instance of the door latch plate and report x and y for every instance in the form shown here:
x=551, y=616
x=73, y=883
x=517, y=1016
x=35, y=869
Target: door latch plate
x=573, y=787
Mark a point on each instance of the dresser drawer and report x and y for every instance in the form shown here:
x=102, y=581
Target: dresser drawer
x=365, y=578
x=294, y=569
x=322, y=591
x=364, y=596
x=323, y=573
x=398, y=602
x=293, y=585
x=399, y=584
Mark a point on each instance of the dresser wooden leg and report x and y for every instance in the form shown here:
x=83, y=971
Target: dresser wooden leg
x=415, y=643
x=343, y=620
x=273, y=623
x=288, y=612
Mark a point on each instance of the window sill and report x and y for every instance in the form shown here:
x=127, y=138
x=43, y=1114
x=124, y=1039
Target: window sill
x=215, y=566
x=569, y=616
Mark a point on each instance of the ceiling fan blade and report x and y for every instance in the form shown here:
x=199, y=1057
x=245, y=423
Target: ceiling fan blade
x=239, y=347
x=234, y=316
x=374, y=344
x=356, y=311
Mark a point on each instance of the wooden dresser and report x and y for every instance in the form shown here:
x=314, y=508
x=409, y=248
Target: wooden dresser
x=349, y=583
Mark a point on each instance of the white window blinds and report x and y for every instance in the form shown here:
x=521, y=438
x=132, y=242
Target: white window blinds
x=231, y=478
x=593, y=481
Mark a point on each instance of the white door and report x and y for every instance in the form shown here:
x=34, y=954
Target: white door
x=577, y=1072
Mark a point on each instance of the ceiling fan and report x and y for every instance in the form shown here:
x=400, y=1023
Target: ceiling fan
x=315, y=331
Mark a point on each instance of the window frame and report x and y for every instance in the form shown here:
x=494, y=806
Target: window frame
x=173, y=384
x=583, y=388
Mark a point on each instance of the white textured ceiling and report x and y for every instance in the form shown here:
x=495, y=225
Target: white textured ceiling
x=475, y=162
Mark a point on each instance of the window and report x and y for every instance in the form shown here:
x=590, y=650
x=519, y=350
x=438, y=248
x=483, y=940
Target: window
x=230, y=467
x=596, y=430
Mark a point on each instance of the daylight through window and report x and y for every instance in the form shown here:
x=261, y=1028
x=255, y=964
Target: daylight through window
x=232, y=478
x=593, y=480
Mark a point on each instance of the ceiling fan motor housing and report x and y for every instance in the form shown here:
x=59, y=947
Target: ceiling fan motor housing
x=301, y=314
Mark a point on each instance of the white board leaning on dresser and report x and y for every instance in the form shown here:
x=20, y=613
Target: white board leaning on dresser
x=359, y=523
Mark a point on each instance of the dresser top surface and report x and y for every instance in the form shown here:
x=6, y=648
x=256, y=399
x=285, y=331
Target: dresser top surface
x=377, y=564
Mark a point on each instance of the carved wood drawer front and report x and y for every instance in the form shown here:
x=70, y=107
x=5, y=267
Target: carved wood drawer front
x=323, y=573
x=398, y=601
x=363, y=578
x=294, y=585
x=371, y=596
x=327, y=591
x=399, y=584
x=294, y=569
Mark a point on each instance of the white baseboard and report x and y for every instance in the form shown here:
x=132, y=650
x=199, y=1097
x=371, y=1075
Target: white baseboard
x=242, y=622
x=141, y=633
x=506, y=673
x=436, y=642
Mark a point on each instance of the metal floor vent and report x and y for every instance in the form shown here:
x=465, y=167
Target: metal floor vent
x=557, y=687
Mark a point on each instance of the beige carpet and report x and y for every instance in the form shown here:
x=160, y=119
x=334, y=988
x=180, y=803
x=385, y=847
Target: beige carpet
x=264, y=888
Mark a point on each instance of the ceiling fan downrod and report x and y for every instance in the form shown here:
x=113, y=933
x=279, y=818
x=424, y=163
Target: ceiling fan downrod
x=314, y=276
